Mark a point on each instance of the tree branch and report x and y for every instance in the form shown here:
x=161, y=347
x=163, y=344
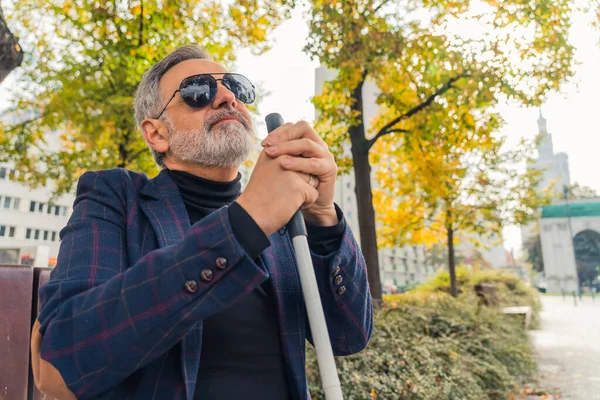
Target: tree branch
x=372, y=141
x=447, y=86
x=141, y=39
x=379, y=6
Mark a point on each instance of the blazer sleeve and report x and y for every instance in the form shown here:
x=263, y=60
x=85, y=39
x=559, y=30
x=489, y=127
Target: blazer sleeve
x=344, y=290
x=102, y=319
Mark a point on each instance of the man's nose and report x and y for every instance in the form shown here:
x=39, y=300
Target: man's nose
x=224, y=97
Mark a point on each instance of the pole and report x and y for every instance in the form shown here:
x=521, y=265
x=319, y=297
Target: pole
x=314, y=307
x=566, y=191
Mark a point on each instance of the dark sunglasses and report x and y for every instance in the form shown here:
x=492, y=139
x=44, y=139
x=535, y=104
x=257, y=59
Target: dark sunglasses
x=198, y=91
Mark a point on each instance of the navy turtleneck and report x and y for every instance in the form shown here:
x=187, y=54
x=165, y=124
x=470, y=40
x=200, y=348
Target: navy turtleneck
x=241, y=354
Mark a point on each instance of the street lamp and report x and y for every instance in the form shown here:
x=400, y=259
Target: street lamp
x=566, y=191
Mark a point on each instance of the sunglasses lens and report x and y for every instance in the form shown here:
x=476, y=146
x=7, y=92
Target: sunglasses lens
x=240, y=86
x=199, y=91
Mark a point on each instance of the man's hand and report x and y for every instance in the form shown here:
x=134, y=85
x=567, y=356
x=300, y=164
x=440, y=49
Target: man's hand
x=298, y=148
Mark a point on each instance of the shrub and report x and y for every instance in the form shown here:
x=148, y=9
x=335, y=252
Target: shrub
x=428, y=345
x=512, y=291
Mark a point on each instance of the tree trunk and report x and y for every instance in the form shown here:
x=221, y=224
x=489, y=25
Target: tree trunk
x=123, y=156
x=364, y=197
x=11, y=54
x=125, y=152
x=451, y=260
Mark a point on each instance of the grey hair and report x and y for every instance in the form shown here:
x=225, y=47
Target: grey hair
x=148, y=102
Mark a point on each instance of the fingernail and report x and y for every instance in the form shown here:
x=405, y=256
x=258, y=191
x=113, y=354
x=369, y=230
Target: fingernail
x=286, y=161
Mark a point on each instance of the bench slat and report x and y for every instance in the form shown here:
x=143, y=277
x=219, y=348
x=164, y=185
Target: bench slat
x=16, y=288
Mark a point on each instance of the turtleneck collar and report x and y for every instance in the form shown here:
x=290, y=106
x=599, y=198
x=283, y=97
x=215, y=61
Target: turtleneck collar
x=203, y=196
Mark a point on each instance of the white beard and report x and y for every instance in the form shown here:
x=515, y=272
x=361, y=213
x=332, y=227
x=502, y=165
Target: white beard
x=226, y=145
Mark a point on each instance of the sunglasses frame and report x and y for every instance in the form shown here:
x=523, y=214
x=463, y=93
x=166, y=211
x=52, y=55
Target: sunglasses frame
x=210, y=74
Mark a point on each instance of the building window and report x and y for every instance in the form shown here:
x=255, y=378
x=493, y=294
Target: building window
x=56, y=210
x=11, y=232
x=7, y=202
x=37, y=234
x=54, y=236
x=45, y=235
x=2, y=173
x=49, y=211
x=2, y=230
x=40, y=207
x=64, y=211
x=32, y=206
x=28, y=233
x=16, y=203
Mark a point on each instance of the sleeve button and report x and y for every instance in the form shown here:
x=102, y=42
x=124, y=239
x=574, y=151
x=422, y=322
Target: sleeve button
x=221, y=263
x=341, y=290
x=338, y=279
x=336, y=271
x=191, y=286
x=206, y=275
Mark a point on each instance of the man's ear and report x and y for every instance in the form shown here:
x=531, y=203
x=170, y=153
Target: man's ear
x=156, y=134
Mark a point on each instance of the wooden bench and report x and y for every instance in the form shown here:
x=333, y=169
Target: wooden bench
x=19, y=307
x=523, y=310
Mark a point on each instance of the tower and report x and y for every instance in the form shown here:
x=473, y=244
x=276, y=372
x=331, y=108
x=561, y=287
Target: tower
x=545, y=148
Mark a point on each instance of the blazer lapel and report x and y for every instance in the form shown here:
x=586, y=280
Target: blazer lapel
x=162, y=204
x=164, y=208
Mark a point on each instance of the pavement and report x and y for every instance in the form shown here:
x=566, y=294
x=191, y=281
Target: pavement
x=568, y=347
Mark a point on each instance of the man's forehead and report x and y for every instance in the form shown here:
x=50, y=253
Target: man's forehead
x=173, y=77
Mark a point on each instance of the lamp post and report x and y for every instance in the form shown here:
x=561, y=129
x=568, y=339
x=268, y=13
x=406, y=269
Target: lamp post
x=566, y=191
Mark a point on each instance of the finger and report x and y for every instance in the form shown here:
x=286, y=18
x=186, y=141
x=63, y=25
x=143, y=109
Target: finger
x=311, y=179
x=298, y=130
x=310, y=196
x=299, y=147
x=319, y=167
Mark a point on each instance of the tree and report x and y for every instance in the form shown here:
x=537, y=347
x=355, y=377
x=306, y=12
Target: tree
x=577, y=191
x=11, y=54
x=432, y=85
x=87, y=60
x=469, y=188
x=533, y=252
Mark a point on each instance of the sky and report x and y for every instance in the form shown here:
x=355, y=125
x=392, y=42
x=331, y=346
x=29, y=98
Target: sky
x=573, y=115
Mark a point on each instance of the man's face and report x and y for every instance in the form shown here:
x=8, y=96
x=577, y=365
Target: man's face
x=218, y=135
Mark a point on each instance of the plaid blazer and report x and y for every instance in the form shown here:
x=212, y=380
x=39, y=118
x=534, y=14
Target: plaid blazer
x=121, y=316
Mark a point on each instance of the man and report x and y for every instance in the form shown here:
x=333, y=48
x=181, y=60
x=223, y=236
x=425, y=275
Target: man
x=178, y=287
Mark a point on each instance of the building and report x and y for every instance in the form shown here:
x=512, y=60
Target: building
x=29, y=223
x=30, y=220
x=555, y=167
x=569, y=263
x=491, y=249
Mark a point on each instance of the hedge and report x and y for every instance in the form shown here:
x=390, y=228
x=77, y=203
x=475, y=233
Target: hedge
x=428, y=345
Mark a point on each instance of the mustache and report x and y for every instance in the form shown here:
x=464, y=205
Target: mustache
x=213, y=119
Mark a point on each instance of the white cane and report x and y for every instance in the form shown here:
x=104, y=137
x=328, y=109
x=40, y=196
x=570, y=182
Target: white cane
x=312, y=299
